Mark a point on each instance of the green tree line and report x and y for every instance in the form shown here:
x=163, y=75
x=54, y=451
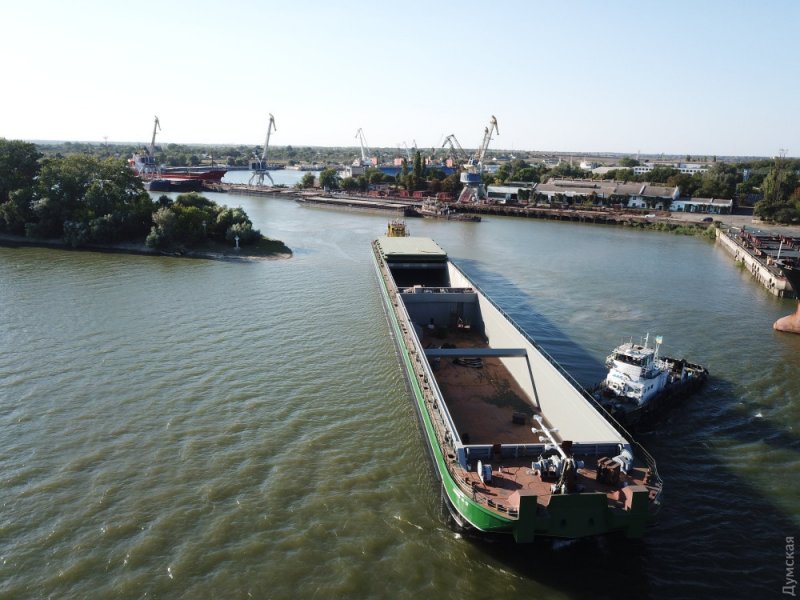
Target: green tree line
x=83, y=200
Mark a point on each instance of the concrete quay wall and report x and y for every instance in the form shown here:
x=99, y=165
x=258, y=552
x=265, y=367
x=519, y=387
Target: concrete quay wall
x=769, y=276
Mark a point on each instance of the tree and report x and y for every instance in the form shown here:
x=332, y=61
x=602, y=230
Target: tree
x=101, y=194
x=624, y=175
x=526, y=174
x=307, y=181
x=781, y=200
x=329, y=179
x=451, y=183
x=404, y=174
x=564, y=169
x=718, y=182
x=193, y=219
x=417, y=175
x=503, y=173
x=627, y=161
x=374, y=176
x=19, y=165
x=684, y=182
x=660, y=174
x=349, y=184
x=163, y=230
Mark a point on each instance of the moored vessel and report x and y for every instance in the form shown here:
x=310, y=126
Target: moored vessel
x=145, y=166
x=640, y=383
x=519, y=447
x=436, y=209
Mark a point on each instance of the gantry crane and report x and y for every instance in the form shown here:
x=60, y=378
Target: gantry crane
x=260, y=166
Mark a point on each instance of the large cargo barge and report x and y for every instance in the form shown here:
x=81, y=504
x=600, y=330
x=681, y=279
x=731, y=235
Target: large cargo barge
x=519, y=447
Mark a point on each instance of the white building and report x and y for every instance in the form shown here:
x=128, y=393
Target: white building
x=685, y=168
x=717, y=206
x=503, y=194
x=636, y=195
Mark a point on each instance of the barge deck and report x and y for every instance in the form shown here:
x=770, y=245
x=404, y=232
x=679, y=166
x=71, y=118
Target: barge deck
x=518, y=446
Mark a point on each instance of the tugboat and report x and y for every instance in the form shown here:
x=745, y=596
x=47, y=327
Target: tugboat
x=640, y=383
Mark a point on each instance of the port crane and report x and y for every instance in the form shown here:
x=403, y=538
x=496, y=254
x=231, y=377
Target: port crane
x=487, y=137
x=259, y=166
x=455, y=148
x=147, y=164
x=364, y=147
x=473, y=168
x=156, y=127
x=409, y=151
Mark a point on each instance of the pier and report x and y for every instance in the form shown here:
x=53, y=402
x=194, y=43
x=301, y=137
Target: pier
x=603, y=216
x=250, y=190
x=758, y=252
x=599, y=215
x=350, y=202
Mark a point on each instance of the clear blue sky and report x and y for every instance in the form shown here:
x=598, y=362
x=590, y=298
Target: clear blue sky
x=680, y=77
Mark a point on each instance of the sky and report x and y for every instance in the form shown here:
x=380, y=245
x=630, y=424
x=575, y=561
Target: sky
x=703, y=77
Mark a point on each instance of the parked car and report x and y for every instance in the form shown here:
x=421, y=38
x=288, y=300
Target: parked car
x=708, y=220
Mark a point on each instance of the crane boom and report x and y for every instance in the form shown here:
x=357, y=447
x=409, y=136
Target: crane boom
x=487, y=137
x=260, y=166
x=364, y=147
x=455, y=147
x=156, y=126
x=270, y=128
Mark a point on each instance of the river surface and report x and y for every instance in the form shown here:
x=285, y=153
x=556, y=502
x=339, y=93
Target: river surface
x=180, y=428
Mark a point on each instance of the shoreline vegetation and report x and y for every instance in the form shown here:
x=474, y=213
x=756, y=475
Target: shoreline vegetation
x=267, y=250
x=100, y=204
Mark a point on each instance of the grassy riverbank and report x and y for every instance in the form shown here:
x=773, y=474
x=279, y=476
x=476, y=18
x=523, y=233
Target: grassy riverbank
x=707, y=231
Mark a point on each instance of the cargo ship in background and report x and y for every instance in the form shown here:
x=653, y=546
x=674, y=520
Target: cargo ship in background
x=162, y=178
x=519, y=447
